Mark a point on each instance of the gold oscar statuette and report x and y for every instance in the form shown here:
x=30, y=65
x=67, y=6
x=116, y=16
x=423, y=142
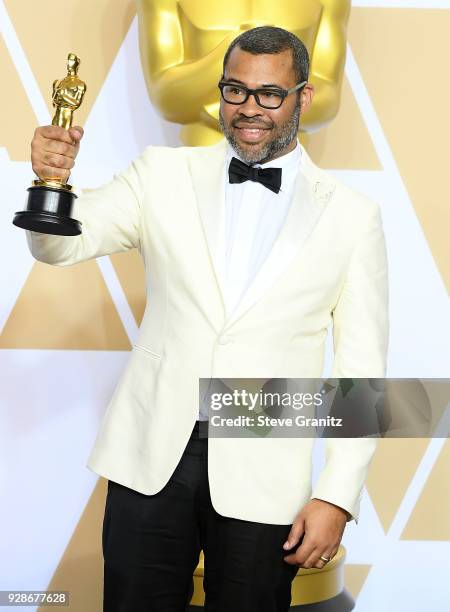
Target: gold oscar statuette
x=50, y=201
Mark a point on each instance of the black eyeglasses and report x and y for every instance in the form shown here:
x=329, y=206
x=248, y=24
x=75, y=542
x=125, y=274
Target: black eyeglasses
x=267, y=97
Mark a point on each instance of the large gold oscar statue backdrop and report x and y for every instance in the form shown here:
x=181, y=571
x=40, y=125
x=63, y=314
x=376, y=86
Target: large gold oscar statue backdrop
x=183, y=43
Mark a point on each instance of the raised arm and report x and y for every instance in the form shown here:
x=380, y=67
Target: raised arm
x=110, y=215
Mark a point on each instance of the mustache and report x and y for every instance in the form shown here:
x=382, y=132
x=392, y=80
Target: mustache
x=251, y=120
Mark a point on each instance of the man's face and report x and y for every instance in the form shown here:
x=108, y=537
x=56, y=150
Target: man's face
x=260, y=134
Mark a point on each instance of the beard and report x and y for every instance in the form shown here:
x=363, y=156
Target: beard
x=284, y=135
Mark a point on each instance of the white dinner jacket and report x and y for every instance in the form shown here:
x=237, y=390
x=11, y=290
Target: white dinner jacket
x=328, y=264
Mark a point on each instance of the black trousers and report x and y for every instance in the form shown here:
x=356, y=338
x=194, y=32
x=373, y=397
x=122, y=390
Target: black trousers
x=151, y=547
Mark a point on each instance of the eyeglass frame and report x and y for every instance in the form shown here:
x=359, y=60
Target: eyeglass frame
x=254, y=92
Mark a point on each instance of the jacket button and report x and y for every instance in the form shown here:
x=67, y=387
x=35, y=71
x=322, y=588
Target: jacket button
x=225, y=339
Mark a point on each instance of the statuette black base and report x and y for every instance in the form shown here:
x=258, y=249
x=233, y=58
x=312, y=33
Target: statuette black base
x=47, y=223
x=48, y=212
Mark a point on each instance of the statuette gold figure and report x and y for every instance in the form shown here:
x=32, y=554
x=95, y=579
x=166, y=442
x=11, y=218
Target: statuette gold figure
x=68, y=94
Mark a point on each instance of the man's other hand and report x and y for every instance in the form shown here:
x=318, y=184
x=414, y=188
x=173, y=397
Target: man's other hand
x=321, y=524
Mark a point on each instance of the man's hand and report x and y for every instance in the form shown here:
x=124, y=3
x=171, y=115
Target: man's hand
x=53, y=151
x=322, y=525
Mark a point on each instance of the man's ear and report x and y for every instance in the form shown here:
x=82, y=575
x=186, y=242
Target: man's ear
x=307, y=94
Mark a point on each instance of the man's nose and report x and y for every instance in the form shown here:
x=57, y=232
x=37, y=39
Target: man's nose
x=250, y=107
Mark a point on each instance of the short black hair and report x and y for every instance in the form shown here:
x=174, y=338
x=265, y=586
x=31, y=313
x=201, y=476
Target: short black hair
x=271, y=39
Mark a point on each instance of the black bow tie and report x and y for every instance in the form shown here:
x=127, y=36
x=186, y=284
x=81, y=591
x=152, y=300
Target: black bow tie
x=238, y=172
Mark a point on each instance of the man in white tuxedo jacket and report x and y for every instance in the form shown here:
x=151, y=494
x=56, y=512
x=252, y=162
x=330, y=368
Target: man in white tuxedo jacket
x=246, y=267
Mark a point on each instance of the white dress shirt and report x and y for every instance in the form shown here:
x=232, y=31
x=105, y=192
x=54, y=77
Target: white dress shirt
x=254, y=216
